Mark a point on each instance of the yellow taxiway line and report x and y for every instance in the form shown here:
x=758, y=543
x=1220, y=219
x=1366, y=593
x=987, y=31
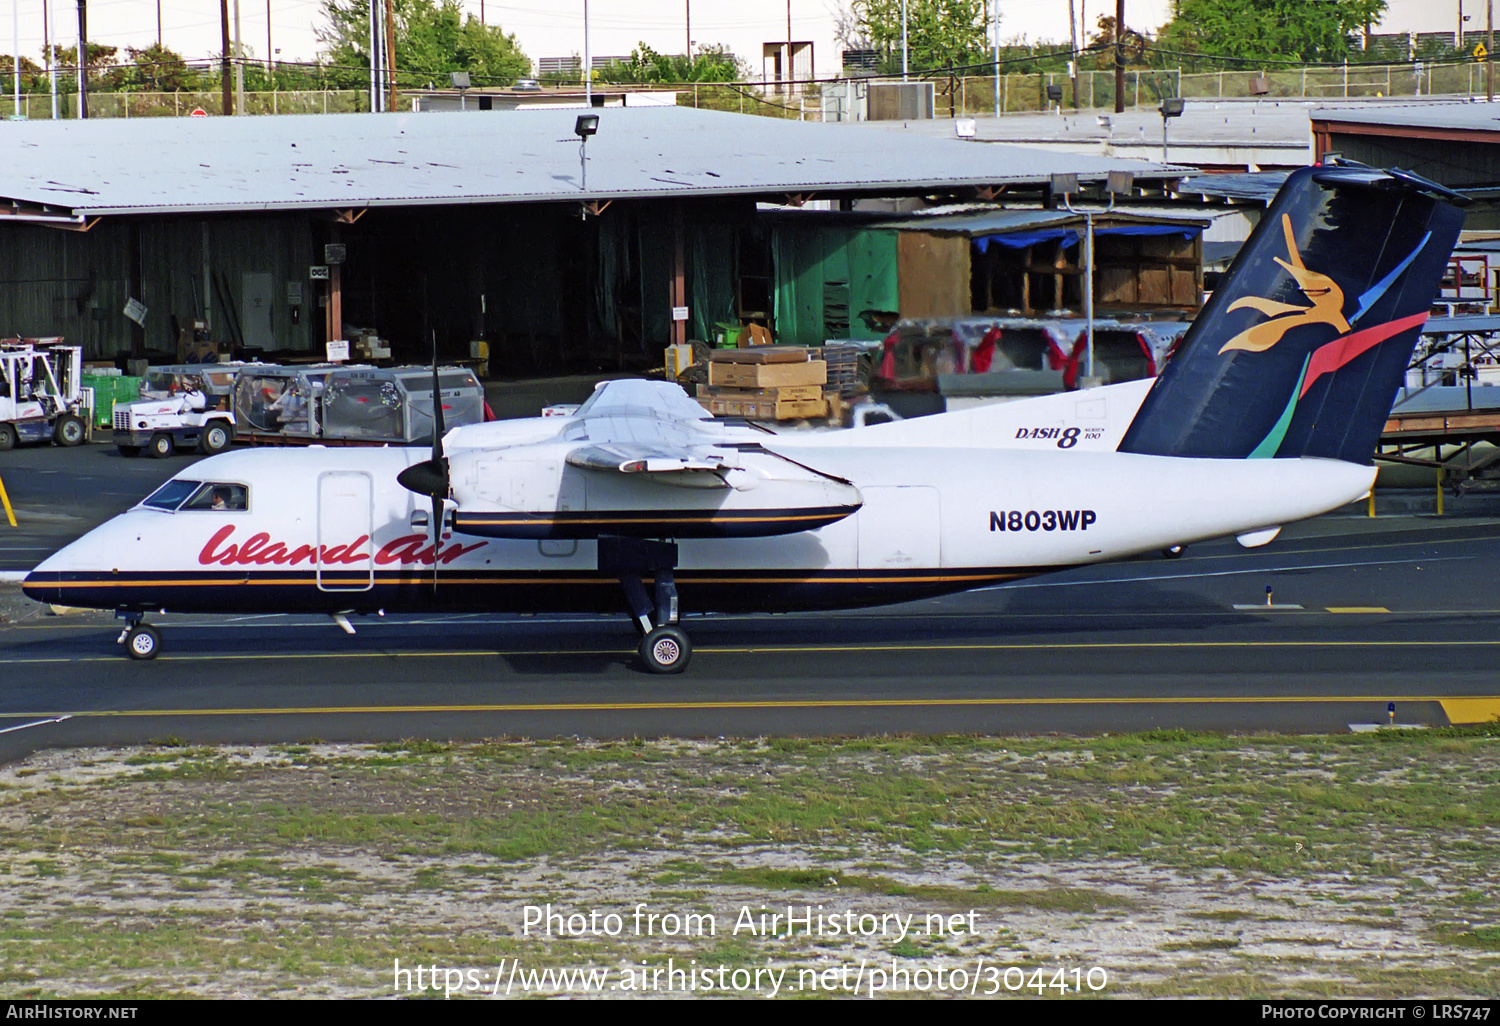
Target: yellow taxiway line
x=1476, y=709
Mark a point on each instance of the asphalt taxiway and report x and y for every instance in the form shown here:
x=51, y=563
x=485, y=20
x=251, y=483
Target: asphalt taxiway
x=1399, y=609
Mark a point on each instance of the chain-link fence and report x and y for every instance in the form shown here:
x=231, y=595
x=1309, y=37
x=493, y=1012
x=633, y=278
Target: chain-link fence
x=38, y=106
x=953, y=96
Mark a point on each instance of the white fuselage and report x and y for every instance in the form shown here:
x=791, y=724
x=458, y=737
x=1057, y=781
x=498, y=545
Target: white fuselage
x=949, y=502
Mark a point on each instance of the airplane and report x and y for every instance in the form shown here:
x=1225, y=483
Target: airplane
x=641, y=503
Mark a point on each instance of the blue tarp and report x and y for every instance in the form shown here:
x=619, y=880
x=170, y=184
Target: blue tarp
x=1069, y=237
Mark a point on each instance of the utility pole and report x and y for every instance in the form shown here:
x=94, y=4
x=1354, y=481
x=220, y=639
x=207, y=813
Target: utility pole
x=1073, y=59
x=390, y=51
x=1119, y=56
x=270, y=59
x=1489, y=56
x=687, y=28
x=239, y=64
x=47, y=50
x=226, y=105
x=83, y=60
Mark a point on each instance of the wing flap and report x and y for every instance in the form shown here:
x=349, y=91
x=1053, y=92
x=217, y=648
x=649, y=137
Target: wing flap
x=635, y=458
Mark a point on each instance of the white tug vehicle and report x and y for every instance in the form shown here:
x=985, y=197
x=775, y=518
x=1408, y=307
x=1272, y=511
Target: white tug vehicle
x=189, y=410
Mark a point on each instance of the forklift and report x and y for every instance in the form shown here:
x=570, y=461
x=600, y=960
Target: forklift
x=41, y=397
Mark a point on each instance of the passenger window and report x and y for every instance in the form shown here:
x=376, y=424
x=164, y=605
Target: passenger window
x=220, y=497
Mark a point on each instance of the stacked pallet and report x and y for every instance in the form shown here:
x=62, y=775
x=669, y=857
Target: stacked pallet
x=765, y=383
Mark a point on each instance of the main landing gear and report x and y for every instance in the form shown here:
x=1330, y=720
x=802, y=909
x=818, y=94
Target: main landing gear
x=141, y=640
x=664, y=647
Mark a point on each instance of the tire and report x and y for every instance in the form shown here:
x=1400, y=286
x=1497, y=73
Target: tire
x=129, y=450
x=68, y=430
x=142, y=642
x=161, y=445
x=215, y=438
x=666, y=650
x=7, y=438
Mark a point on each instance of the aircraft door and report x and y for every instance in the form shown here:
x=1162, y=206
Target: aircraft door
x=570, y=496
x=346, y=559
x=899, y=528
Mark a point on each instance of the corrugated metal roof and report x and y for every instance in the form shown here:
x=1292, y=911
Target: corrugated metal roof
x=1450, y=115
x=1260, y=186
x=995, y=222
x=196, y=165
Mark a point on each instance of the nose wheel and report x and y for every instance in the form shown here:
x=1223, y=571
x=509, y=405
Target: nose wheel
x=141, y=640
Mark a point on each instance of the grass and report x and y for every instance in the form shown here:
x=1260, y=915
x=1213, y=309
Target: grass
x=308, y=866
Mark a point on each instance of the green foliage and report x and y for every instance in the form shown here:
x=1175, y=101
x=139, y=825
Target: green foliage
x=157, y=69
x=1283, y=30
x=939, y=33
x=433, y=37
x=709, y=64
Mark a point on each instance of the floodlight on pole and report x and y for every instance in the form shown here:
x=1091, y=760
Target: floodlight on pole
x=460, y=81
x=1171, y=107
x=585, y=126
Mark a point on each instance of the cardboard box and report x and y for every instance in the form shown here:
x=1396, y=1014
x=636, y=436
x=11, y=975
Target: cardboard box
x=767, y=375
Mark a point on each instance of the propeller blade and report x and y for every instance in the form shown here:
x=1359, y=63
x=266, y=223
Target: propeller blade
x=437, y=458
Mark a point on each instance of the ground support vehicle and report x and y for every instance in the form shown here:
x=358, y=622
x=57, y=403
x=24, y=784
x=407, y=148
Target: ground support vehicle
x=183, y=407
x=41, y=394
x=350, y=405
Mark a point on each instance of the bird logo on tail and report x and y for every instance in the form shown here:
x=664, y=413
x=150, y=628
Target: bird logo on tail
x=1322, y=291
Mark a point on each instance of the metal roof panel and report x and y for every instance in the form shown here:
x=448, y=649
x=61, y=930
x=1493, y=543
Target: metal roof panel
x=194, y=165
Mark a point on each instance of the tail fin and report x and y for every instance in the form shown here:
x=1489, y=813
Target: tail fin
x=1302, y=348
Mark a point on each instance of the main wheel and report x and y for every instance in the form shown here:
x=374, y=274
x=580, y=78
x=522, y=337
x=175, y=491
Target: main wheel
x=142, y=642
x=666, y=650
x=68, y=430
x=161, y=445
x=7, y=438
x=216, y=437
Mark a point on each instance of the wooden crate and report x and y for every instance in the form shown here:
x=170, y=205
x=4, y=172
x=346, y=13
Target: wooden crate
x=767, y=375
x=784, y=392
x=762, y=354
x=764, y=409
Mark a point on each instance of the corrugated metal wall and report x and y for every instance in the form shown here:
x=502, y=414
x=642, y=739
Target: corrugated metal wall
x=75, y=284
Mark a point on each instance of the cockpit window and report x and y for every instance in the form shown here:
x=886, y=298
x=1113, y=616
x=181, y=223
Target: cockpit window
x=171, y=495
x=220, y=497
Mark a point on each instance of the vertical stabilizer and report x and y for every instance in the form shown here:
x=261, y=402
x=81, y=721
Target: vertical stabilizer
x=1301, y=349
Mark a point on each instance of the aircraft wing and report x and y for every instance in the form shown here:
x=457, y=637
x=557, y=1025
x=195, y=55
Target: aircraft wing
x=637, y=458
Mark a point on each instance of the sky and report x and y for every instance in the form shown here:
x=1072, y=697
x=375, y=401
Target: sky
x=555, y=29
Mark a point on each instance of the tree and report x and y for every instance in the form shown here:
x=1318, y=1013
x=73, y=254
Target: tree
x=156, y=69
x=939, y=33
x=1294, y=30
x=433, y=37
x=709, y=64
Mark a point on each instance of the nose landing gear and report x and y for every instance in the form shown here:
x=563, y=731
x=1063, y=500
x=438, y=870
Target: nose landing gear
x=141, y=640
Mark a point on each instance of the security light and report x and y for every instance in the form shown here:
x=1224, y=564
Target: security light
x=586, y=125
x=1171, y=107
x=459, y=79
x=1064, y=185
x=1119, y=183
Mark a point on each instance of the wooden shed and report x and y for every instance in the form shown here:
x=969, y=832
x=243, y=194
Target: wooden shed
x=1030, y=263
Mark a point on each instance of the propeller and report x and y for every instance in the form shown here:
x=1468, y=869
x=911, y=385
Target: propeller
x=430, y=477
